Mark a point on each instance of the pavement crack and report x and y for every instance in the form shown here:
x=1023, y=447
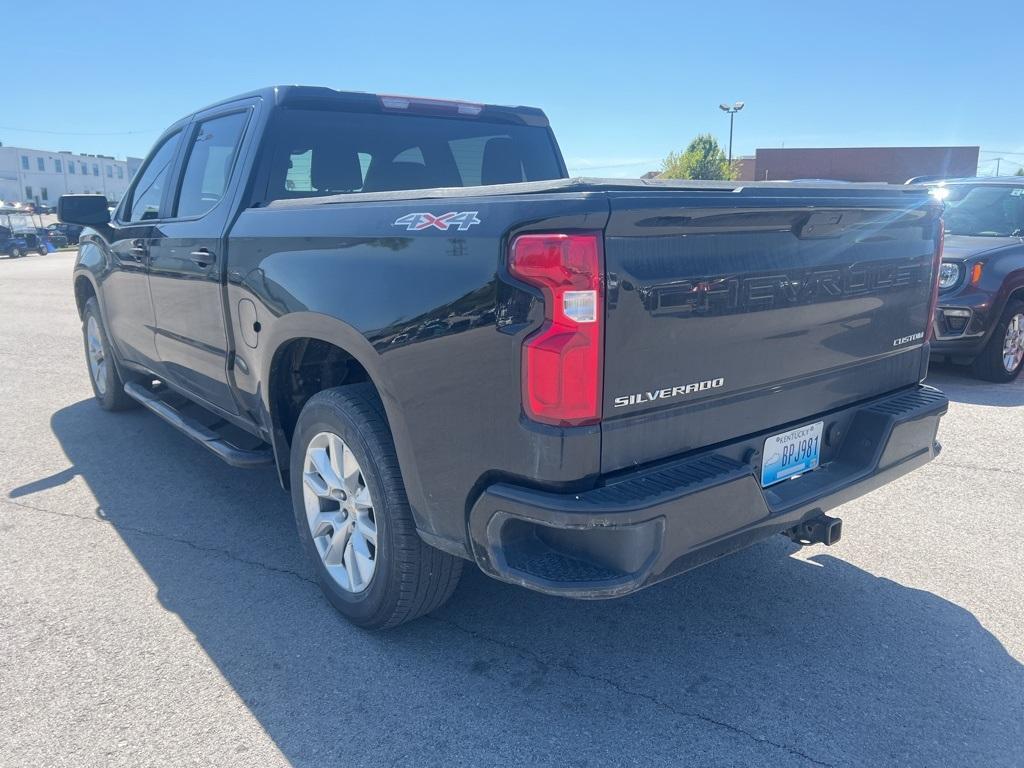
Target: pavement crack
x=121, y=527
x=570, y=668
x=974, y=468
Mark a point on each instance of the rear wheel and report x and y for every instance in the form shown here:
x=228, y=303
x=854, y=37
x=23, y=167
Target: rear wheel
x=42, y=250
x=1003, y=357
x=106, y=382
x=353, y=515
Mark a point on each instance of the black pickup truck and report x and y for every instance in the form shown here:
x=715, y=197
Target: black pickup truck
x=452, y=351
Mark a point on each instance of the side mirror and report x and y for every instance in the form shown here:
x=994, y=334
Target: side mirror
x=87, y=210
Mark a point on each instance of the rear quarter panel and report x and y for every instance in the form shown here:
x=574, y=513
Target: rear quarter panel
x=429, y=315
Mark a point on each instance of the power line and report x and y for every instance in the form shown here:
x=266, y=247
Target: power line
x=999, y=152
x=74, y=133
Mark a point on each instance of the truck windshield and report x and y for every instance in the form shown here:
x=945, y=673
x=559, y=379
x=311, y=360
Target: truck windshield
x=983, y=210
x=319, y=152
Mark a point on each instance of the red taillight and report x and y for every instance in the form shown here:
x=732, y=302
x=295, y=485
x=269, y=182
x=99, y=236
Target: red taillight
x=936, y=267
x=562, y=360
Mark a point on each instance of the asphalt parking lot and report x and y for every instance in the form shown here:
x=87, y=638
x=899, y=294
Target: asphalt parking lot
x=154, y=609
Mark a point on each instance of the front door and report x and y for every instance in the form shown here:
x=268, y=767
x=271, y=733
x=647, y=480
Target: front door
x=186, y=263
x=127, y=306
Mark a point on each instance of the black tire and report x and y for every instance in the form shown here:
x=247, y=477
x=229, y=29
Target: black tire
x=42, y=250
x=15, y=252
x=110, y=395
x=989, y=364
x=410, y=578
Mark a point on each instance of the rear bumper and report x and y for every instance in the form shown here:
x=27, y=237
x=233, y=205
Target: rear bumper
x=644, y=526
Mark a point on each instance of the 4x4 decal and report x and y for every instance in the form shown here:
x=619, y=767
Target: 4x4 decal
x=462, y=220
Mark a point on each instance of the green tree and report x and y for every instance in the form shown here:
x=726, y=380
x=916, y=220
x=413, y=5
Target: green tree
x=703, y=159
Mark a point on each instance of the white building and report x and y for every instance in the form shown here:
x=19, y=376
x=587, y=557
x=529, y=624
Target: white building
x=39, y=176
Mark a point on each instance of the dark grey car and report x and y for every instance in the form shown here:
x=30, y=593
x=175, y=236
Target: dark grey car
x=980, y=315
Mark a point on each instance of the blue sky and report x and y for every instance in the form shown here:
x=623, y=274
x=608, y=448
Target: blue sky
x=623, y=83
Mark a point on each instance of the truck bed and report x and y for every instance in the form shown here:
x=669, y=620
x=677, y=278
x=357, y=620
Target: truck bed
x=593, y=184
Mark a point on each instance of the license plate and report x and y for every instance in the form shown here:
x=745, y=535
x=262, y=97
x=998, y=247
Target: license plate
x=791, y=453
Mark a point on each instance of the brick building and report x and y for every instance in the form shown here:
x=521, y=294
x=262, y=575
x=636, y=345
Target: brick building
x=886, y=164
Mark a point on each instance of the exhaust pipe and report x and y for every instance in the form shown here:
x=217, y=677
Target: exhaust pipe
x=818, y=530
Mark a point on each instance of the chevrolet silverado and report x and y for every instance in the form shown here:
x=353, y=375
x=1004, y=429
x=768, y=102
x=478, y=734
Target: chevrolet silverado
x=451, y=351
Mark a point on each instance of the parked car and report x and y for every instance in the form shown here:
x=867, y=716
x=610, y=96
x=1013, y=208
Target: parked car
x=70, y=232
x=925, y=179
x=452, y=352
x=55, y=238
x=980, y=317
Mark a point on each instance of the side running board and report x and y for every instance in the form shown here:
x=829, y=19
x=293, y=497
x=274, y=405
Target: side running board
x=205, y=436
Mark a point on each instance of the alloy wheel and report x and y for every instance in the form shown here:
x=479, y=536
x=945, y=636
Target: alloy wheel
x=1013, y=344
x=97, y=359
x=339, y=511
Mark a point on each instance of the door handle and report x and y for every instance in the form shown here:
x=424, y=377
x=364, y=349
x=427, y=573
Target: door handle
x=137, y=250
x=203, y=257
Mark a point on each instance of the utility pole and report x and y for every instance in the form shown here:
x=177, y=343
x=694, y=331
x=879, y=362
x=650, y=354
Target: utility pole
x=732, y=110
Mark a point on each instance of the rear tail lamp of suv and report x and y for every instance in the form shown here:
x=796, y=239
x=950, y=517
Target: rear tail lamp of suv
x=562, y=361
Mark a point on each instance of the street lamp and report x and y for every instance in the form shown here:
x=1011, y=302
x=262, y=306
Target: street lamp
x=732, y=110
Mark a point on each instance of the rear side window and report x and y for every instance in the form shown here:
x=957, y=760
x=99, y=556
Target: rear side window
x=321, y=152
x=149, y=190
x=210, y=160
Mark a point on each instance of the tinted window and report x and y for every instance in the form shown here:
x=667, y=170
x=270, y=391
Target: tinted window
x=145, y=201
x=318, y=152
x=209, y=163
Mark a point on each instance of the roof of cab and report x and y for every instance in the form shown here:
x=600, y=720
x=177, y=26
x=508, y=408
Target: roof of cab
x=312, y=96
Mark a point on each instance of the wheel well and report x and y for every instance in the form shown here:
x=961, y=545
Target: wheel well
x=83, y=292
x=301, y=368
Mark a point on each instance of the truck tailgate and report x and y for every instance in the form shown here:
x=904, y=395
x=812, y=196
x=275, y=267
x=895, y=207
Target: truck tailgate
x=734, y=312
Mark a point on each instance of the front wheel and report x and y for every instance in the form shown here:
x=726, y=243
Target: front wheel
x=106, y=382
x=353, y=515
x=15, y=252
x=1003, y=357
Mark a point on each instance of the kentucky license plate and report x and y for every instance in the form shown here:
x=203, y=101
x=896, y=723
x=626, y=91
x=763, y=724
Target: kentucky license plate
x=791, y=453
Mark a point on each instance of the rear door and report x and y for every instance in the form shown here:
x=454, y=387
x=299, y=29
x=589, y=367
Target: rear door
x=187, y=261
x=731, y=312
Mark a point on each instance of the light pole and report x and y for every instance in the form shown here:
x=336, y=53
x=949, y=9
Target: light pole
x=732, y=110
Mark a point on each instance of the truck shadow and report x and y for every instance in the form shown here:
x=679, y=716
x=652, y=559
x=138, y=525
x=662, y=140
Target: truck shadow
x=960, y=386
x=759, y=659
